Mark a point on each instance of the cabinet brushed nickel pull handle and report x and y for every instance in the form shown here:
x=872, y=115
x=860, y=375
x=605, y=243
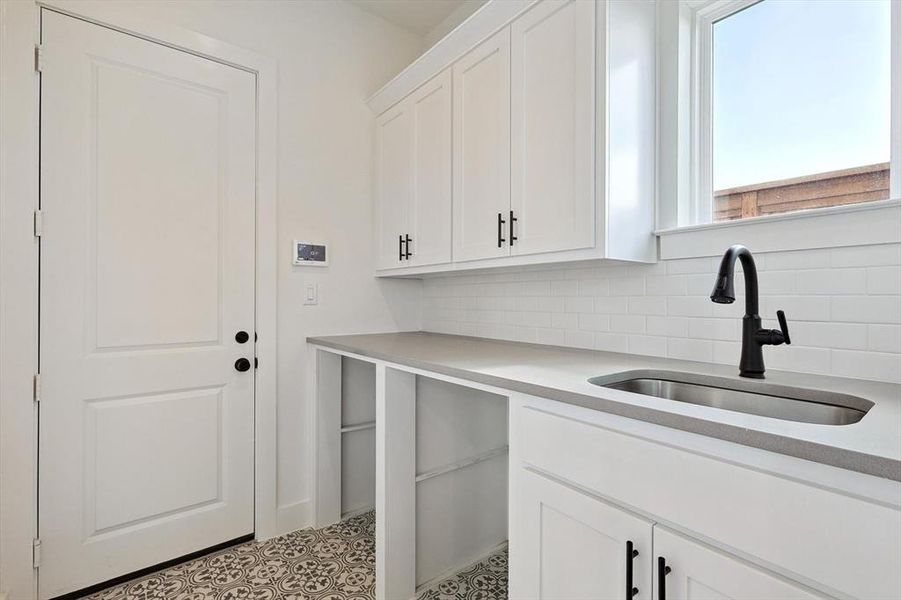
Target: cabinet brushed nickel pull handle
x=513, y=221
x=500, y=230
x=631, y=553
x=662, y=572
x=408, y=254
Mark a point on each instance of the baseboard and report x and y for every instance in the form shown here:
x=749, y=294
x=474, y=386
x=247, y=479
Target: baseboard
x=294, y=516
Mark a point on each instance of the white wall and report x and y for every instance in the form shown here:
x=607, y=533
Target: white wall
x=450, y=22
x=843, y=306
x=331, y=56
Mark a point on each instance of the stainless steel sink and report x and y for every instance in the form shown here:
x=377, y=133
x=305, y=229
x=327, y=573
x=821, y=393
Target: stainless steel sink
x=753, y=397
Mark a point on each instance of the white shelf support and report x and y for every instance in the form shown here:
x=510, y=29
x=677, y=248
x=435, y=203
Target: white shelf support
x=328, y=438
x=395, y=484
x=461, y=464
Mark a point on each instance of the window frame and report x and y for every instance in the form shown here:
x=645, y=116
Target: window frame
x=685, y=214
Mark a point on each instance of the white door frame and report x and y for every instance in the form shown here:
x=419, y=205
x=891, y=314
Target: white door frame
x=19, y=263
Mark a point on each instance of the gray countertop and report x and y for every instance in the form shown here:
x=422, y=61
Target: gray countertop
x=872, y=446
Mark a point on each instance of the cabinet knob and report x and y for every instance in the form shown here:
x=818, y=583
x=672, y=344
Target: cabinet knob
x=242, y=364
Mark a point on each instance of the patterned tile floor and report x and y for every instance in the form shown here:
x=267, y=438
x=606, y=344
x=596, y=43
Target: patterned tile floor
x=333, y=563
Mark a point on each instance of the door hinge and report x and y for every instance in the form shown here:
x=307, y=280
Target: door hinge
x=37, y=387
x=36, y=553
x=38, y=223
x=38, y=58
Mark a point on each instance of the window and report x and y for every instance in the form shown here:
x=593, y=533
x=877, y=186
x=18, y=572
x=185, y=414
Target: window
x=794, y=106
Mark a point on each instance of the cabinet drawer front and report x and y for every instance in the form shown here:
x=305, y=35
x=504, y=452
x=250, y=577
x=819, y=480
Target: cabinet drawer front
x=812, y=535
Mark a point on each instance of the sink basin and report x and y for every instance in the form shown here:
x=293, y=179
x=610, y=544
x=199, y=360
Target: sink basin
x=752, y=397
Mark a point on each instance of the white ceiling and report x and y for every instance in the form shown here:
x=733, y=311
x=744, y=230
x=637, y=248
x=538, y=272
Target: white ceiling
x=418, y=16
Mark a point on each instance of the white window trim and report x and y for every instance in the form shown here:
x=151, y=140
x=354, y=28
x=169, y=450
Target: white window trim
x=686, y=230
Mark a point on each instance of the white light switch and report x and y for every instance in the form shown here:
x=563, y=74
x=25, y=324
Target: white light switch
x=311, y=294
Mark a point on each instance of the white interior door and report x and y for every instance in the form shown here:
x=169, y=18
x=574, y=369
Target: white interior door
x=552, y=127
x=147, y=273
x=572, y=546
x=481, y=81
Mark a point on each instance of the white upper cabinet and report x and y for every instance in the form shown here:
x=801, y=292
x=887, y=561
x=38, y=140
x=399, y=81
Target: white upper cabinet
x=413, y=178
x=481, y=196
x=430, y=220
x=394, y=183
x=552, y=127
x=553, y=117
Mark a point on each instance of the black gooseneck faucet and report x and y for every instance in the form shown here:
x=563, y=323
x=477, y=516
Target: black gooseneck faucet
x=753, y=337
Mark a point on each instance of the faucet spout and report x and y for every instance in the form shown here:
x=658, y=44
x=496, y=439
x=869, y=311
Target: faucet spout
x=724, y=288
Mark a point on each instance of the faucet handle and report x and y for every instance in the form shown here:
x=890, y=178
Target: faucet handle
x=783, y=325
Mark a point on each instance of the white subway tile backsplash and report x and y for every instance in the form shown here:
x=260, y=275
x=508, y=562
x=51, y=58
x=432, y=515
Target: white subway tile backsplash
x=579, y=305
x=884, y=338
x=647, y=345
x=628, y=286
x=843, y=307
x=617, y=305
x=884, y=280
x=831, y=281
x=646, y=305
x=611, y=342
x=665, y=285
x=593, y=322
x=866, y=256
x=866, y=309
x=627, y=323
x=868, y=365
x=686, y=349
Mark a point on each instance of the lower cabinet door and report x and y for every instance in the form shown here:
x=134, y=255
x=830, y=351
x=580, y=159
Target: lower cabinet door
x=694, y=571
x=569, y=545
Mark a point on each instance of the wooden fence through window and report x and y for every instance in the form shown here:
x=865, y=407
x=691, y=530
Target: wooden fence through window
x=834, y=188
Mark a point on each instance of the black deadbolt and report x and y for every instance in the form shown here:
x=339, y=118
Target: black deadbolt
x=241, y=337
x=242, y=364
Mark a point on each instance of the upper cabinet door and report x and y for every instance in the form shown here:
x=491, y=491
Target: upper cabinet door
x=394, y=183
x=430, y=108
x=553, y=49
x=482, y=150
x=567, y=545
x=698, y=572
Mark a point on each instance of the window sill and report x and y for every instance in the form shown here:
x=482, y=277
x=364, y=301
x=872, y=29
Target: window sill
x=852, y=225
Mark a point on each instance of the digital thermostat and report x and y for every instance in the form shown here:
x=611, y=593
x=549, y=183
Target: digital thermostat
x=310, y=254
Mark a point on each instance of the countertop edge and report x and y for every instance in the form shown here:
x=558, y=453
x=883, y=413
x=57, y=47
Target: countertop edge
x=851, y=460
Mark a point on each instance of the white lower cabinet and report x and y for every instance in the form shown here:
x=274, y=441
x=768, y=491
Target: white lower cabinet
x=583, y=484
x=572, y=546
x=694, y=571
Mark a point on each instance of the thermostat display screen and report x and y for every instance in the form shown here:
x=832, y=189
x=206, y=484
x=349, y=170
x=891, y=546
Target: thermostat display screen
x=306, y=253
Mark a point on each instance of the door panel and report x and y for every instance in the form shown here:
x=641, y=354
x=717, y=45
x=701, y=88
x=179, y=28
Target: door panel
x=699, y=572
x=147, y=272
x=572, y=545
x=431, y=206
x=394, y=182
x=481, y=83
x=553, y=127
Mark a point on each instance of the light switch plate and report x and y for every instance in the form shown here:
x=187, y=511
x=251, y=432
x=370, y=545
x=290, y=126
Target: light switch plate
x=310, y=294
